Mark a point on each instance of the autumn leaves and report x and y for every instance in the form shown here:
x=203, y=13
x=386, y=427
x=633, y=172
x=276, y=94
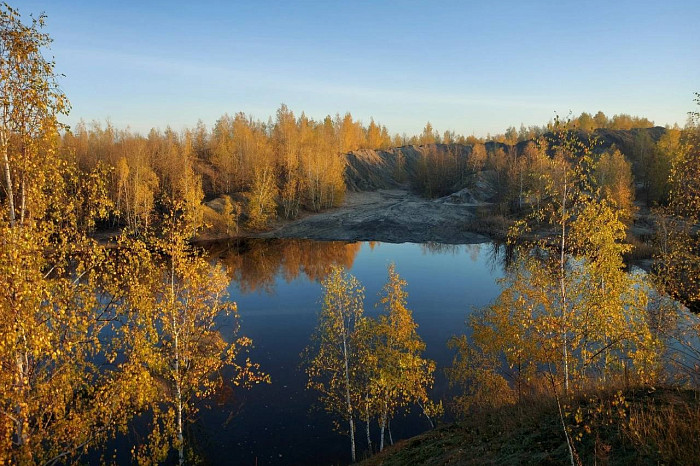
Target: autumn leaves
x=570, y=319
x=172, y=330
x=366, y=369
x=94, y=340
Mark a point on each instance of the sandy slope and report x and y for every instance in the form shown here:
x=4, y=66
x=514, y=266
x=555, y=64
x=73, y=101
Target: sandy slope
x=390, y=215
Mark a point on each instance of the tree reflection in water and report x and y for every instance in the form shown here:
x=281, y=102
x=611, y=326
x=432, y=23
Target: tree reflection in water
x=255, y=263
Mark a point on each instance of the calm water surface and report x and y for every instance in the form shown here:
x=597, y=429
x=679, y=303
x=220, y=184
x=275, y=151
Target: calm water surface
x=277, y=287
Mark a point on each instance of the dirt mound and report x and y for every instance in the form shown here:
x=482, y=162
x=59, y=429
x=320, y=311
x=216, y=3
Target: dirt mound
x=481, y=191
x=394, y=216
x=217, y=205
x=369, y=170
x=379, y=205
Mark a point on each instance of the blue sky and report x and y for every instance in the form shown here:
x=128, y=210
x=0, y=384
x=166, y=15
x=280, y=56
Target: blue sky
x=471, y=67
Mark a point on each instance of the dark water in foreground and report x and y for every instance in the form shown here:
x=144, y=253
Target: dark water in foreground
x=277, y=287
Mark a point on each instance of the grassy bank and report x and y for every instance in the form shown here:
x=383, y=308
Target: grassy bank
x=633, y=426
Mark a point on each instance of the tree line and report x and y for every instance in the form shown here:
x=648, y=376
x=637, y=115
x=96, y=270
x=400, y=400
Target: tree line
x=584, y=122
x=630, y=166
x=253, y=172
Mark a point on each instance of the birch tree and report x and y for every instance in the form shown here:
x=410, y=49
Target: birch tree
x=332, y=357
x=175, y=335
x=613, y=177
x=679, y=257
x=29, y=105
x=261, y=198
x=56, y=401
x=402, y=375
x=568, y=310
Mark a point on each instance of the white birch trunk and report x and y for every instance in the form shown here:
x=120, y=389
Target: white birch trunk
x=23, y=202
x=369, y=436
x=382, y=428
x=388, y=428
x=347, y=391
x=562, y=284
x=180, y=437
x=178, y=386
x=8, y=176
x=425, y=413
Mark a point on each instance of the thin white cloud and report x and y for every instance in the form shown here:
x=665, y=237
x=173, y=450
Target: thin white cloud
x=287, y=84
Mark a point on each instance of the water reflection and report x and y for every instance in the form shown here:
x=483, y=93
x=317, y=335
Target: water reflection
x=272, y=423
x=439, y=248
x=255, y=263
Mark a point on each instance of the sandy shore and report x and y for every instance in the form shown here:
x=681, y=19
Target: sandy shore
x=390, y=215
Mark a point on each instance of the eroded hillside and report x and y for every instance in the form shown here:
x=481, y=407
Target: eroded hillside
x=434, y=192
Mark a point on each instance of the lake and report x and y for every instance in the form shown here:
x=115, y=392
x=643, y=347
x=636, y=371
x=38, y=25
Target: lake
x=276, y=284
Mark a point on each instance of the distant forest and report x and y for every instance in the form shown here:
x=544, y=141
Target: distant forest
x=253, y=172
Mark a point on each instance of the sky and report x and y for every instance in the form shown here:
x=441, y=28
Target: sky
x=465, y=66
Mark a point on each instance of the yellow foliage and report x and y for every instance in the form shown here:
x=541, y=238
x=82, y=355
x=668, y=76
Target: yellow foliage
x=568, y=311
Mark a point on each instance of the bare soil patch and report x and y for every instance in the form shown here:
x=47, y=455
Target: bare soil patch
x=388, y=215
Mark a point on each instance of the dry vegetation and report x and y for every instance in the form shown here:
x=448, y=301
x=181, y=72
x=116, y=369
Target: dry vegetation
x=649, y=426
